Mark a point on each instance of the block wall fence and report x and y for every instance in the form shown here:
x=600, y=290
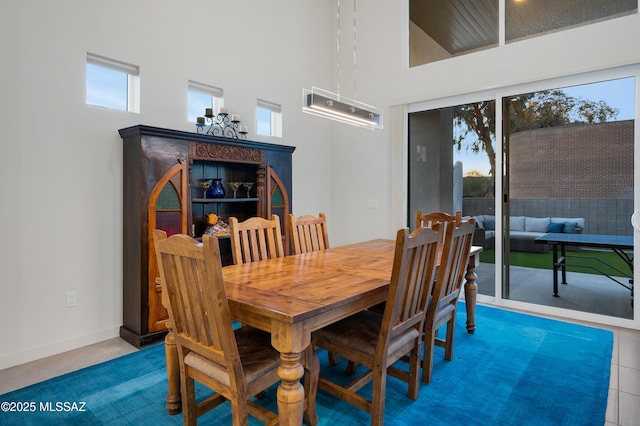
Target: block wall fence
x=582, y=170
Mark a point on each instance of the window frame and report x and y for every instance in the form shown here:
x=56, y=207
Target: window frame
x=216, y=94
x=275, y=115
x=133, y=81
x=632, y=70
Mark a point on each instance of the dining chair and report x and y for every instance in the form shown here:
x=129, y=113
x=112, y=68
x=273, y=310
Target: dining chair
x=441, y=309
x=377, y=340
x=255, y=239
x=235, y=364
x=308, y=233
x=444, y=219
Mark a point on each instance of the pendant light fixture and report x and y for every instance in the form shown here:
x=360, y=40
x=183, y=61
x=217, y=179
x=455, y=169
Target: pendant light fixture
x=336, y=107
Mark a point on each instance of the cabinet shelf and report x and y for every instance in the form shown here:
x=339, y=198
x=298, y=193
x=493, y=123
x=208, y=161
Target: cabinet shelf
x=224, y=200
x=219, y=237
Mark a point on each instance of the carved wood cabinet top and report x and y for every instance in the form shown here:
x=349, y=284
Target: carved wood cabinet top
x=221, y=152
x=207, y=147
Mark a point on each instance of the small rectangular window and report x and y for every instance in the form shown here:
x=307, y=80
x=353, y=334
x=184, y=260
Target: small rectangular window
x=269, y=119
x=202, y=96
x=112, y=84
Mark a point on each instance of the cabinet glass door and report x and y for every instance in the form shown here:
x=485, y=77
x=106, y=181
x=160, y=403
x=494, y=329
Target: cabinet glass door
x=168, y=212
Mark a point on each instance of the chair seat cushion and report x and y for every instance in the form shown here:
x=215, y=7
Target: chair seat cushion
x=257, y=355
x=360, y=332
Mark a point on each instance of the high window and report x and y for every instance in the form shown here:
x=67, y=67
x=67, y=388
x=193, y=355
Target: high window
x=112, y=84
x=268, y=119
x=202, y=96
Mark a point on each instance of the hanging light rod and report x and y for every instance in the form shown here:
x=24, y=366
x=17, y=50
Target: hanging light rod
x=333, y=106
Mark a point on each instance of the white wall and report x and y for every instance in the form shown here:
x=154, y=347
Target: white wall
x=61, y=178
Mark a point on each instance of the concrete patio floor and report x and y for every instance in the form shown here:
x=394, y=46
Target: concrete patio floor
x=583, y=292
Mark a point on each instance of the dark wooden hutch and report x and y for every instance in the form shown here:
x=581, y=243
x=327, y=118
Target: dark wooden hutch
x=161, y=172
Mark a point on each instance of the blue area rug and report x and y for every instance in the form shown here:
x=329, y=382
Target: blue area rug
x=515, y=370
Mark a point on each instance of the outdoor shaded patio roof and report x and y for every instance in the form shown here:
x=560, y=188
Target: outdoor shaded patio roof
x=461, y=25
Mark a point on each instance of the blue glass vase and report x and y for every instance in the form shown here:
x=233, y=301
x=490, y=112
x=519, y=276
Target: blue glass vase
x=217, y=190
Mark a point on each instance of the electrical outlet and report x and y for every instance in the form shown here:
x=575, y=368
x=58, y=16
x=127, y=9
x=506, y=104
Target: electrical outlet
x=72, y=298
x=372, y=204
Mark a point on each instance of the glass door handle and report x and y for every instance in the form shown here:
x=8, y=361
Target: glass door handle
x=635, y=220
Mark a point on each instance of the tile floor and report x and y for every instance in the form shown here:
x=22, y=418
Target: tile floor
x=623, y=407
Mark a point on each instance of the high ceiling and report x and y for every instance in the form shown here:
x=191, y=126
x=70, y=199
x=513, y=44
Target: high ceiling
x=463, y=25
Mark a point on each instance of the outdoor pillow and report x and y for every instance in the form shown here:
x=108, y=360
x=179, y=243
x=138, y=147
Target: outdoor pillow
x=578, y=220
x=555, y=227
x=569, y=227
x=489, y=224
x=488, y=217
x=536, y=224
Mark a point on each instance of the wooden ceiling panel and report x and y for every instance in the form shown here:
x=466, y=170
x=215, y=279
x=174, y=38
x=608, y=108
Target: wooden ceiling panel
x=457, y=25
x=464, y=25
x=526, y=18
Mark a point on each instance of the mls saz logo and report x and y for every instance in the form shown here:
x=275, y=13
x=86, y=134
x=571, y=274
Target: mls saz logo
x=63, y=406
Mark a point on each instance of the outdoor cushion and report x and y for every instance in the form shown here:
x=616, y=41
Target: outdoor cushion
x=516, y=223
x=555, y=227
x=536, y=224
x=484, y=218
x=489, y=224
x=569, y=227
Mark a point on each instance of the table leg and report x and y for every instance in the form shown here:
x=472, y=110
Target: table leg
x=555, y=270
x=311, y=376
x=563, y=256
x=470, y=293
x=173, y=401
x=290, y=391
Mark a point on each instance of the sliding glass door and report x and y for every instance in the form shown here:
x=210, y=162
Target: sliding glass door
x=564, y=166
x=568, y=169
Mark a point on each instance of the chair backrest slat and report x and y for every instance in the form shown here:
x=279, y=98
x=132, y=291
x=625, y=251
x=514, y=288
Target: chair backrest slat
x=308, y=233
x=455, y=256
x=444, y=219
x=255, y=239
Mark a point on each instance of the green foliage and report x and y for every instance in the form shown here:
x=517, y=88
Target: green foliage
x=477, y=186
x=545, y=261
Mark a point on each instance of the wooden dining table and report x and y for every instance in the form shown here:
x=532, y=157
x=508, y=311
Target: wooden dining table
x=293, y=296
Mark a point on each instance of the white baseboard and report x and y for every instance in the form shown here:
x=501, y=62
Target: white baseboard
x=32, y=354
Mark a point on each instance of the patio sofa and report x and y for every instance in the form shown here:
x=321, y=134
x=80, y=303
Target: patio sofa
x=523, y=230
